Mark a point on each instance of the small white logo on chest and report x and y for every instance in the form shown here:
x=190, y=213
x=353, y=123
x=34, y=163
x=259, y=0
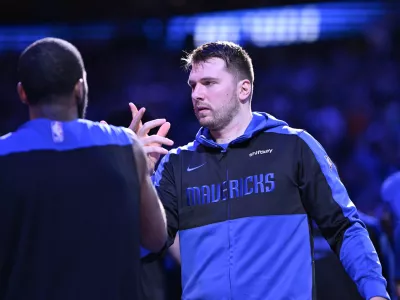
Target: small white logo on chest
x=57, y=132
x=259, y=152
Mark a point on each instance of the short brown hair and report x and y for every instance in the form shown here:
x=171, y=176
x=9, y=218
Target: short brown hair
x=235, y=57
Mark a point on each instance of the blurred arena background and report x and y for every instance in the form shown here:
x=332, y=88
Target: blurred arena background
x=330, y=67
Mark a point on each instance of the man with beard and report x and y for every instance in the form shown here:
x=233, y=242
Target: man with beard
x=75, y=196
x=242, y=195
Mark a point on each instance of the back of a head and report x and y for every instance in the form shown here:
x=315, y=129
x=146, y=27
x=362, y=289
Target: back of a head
x=48, y=68
x=237, y=60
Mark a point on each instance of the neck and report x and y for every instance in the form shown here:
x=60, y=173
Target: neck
x=57, y=112
x=234, y=129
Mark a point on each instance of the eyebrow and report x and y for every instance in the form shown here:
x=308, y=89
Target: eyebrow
x=190, y=82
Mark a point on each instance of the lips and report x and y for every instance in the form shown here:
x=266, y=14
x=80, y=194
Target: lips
x=202, y=108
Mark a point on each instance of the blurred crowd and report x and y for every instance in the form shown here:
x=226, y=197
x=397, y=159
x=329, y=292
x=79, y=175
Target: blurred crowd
x=346, y=93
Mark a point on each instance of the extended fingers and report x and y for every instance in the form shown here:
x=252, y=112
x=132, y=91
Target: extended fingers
x=163, y=131
x=137, y=116
x=154, y=149
x=149, y=126
x=157, y=140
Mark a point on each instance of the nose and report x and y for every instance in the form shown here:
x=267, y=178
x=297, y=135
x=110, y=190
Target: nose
x=198, y=92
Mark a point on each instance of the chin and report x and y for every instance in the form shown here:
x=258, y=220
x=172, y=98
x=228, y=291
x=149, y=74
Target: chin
x=207, y=123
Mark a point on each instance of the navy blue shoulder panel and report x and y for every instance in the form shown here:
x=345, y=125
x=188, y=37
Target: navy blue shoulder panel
x=43, y=134
x=339, y=193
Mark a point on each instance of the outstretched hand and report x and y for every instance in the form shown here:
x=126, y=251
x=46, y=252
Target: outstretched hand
x=153, y=144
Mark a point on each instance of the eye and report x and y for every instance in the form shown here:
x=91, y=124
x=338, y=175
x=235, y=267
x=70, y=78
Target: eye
x=208, y=83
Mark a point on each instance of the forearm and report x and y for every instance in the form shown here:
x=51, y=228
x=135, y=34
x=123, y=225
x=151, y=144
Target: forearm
x=152, y=221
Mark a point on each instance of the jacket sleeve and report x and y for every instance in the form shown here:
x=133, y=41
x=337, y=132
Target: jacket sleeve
x=164, y=182
x=326, y=201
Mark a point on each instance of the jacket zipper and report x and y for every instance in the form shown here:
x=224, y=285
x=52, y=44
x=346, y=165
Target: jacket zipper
x=224, y=151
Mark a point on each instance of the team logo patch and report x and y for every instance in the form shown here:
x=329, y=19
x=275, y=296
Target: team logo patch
x=57, y=132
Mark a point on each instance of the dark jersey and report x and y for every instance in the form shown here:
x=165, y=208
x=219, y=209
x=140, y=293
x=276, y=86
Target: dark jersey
x=69, y=212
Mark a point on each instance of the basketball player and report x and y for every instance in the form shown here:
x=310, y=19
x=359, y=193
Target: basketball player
x=76, y=200
x=243, y=195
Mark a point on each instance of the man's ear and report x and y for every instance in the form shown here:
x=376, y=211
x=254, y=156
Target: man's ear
x=79, y=91
x=22, y=94
x=244, y=90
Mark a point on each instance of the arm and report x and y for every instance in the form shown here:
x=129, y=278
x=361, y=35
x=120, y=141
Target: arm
x=164, y=181
x=152, y=216
x=327, y=202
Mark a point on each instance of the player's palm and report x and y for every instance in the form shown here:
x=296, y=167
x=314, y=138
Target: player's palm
x=152, y=144
x=154, y=149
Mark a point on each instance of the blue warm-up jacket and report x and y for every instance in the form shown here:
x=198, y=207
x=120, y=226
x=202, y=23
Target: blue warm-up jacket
x=244, y=212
